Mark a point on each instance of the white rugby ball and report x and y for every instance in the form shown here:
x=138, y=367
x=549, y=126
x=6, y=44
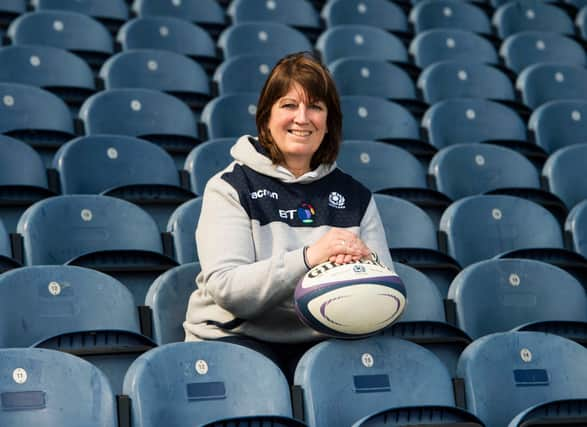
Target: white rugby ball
x=350, y=300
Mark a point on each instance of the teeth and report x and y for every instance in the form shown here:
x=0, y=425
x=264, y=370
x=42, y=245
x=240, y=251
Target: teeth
x=301, y=132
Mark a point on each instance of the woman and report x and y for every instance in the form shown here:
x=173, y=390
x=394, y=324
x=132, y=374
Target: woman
x=279, y=209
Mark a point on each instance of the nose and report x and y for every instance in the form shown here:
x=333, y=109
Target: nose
x=301, y=116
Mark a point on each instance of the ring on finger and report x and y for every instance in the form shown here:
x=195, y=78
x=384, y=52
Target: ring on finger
x=343, y=242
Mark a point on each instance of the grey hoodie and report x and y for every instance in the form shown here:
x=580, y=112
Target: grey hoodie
x=256, y=218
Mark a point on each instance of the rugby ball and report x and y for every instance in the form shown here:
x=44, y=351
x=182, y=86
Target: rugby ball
x=350, y=300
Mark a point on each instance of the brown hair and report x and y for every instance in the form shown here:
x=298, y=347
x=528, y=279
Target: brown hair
x=307, y=71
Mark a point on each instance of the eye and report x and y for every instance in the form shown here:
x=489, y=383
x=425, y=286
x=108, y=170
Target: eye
x=317, y=106
x=289, y=106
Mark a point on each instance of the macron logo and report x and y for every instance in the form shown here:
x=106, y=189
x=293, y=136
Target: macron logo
x=259, y=194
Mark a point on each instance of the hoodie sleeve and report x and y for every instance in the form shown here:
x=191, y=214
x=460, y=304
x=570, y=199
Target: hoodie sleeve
x=234, y=279
x=373, y=234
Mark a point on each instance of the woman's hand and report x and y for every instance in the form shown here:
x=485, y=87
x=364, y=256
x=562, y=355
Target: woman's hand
x=339, y=246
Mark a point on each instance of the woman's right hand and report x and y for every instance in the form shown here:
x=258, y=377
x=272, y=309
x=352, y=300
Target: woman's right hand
x=337, y=245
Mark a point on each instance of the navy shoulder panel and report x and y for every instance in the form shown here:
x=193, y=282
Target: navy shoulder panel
x=336, y=200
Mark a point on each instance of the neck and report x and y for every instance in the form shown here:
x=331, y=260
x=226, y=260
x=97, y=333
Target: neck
x=297, y=168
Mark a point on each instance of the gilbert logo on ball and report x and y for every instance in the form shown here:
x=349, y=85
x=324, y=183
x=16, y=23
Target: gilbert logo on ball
x=350, y=300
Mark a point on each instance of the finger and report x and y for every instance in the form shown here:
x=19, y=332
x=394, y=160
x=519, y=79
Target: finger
x=340, y=259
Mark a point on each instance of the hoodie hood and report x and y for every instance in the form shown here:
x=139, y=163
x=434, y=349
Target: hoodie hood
x=249, y=152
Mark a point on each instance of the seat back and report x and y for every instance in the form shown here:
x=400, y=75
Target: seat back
x=559, y=123
x=206, y=160
x=202, y=382
x=564, y=173
x=115, y=10
x=505, y=373
x=576, y=228
x=466, y=169
x=527, y=15
x=375, y=13
x=502, y=294
x=168, y=298
x=300, y=14
x=426, y=302
x=243, y=73
x=230, y=115
x=49, y=388
x=345, y=380
x=182, y=226
x=426, y=15
x=60, y=228
x=480, y=227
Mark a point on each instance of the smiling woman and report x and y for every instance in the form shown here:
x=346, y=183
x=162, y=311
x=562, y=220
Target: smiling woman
x=279, y=209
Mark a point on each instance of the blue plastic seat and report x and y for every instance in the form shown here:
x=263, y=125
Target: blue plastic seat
x=169, y=33
x=145, y=113
x=168, y=298
x=182, y=227
x=523, y=15
x=564, y=173
x=581, y=22
x=383, y=14
x=502, y=294
x=484, y=226
x=161, y=70
x=100, y=232
x=7, y=261
x=230, y=116
x=23, y=180
x=442, y=44
x=540, y=83
x=506, y=373
x=54, y=69
x=360, y=40
x=343, y=381
x=268, y=38
x=36, y=117
x=374, y=118
x=464, y=79
x=207, y=14
x=532, y=47
x=125, y=167
x=563, y=411
x=10, y=9
x=427, y=15
x=299, y=14
x=47, y=388
x=203, y=382
x=576, y=228
x=411, y=237
x=243, y=73
x=206, y=160
x=76, y=32
x=558, y=124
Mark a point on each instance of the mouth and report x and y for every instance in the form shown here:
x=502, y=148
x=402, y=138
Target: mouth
x=300, y=133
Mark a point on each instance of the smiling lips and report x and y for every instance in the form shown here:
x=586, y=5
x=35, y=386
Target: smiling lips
x=301, y=133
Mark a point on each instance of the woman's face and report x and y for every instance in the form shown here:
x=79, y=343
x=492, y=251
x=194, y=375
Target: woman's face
x=297, y=127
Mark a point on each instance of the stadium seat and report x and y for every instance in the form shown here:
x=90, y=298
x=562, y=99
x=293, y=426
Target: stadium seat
x=558, y=124
x=7, y=262
x=532, y=47
x=576, y=228
x=581, y=22
x=437, y=45
x=206, y=160
x=424, y=321
x=506, y=373
x=299, y=14
x=145, y=113
x=125, y=167
x=564, y=173
x=527, y=15
x=35, y=116
x=484, y=226
x=230, y=116
x=100, y=232
x=207, y=14
x=203, y=382
x=269, y=38
x=169, y=33
x=168, y=298
x=383, y=14
x=388, y=169
x=474, y=120
x=54, y=69
x=360, y=40
x=561, y=412
x=376, y=77
x=23, y=180
x=463, y=170
x=464, y=79
x=374, y=118
x=343, y=381
x=502, y=294
x=411, y=237
x=161, y=70
x=243, y=73
x=9, y=10
x=48, y=388
x=428, y=15
x=72, y=31
x=182, y=227
x=540, y=83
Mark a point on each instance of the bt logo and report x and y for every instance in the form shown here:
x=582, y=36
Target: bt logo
x=305, y=213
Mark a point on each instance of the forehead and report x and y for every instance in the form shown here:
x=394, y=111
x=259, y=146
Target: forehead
x=298, y=93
